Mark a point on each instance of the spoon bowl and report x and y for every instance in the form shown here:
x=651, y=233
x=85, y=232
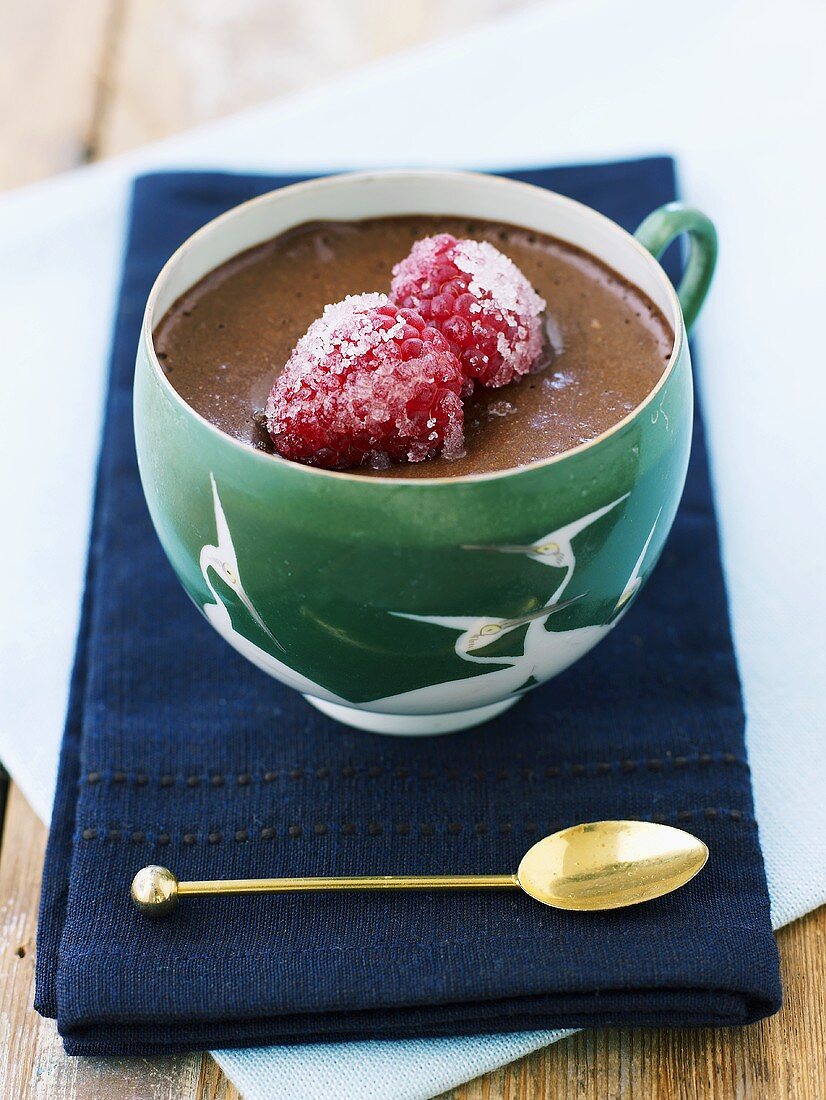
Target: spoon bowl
x=610, y=864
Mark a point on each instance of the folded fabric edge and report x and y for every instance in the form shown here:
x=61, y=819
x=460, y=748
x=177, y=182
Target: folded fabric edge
x=681, y=1007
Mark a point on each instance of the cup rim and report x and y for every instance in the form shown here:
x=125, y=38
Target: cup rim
x=332, y=180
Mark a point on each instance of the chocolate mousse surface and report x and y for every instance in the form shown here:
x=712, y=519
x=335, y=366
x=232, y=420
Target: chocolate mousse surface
x=223, y=343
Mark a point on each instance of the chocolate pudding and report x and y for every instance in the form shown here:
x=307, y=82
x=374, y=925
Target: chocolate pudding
x=223, y=343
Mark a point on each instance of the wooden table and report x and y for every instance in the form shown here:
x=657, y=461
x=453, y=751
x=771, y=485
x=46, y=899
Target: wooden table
x=76, y=77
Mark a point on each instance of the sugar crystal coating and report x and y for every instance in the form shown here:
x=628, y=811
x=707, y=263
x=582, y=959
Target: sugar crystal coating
x=479, y=300
x=368, y=384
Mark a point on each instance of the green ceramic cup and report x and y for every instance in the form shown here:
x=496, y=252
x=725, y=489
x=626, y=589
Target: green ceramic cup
x=420, y=606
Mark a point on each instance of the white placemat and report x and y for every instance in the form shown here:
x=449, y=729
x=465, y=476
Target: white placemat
x=734, y=88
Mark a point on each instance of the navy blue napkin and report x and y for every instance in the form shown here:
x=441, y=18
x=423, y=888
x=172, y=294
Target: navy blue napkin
x=178, y=752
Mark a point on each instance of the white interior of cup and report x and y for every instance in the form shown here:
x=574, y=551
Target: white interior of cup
x=377, y=194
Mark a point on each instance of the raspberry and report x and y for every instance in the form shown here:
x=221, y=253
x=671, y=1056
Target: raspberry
x=479, y=300
x=367, y=384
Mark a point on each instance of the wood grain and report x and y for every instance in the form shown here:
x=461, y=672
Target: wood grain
x=50, y=79
x=783, y=1057
x=94, y=78
x=183, y=62
x=32, y=1062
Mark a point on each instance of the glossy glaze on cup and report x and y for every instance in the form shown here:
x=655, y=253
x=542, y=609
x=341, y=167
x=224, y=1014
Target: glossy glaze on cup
x=392, y=598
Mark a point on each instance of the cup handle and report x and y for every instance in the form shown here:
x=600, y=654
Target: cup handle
x=658, y=231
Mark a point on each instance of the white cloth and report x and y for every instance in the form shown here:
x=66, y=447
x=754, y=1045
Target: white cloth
x=735, y=89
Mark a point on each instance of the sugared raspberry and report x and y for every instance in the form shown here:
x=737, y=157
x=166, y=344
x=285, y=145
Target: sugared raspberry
x=368, y=384
x=479, y=300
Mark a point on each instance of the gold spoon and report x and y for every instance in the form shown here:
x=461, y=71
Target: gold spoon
x=600, y=865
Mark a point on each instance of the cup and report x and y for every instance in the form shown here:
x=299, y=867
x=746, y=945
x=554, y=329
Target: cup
x=420, y=606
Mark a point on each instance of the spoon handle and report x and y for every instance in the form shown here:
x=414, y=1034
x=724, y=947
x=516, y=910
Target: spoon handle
x=364, y=882
x=155, y=890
